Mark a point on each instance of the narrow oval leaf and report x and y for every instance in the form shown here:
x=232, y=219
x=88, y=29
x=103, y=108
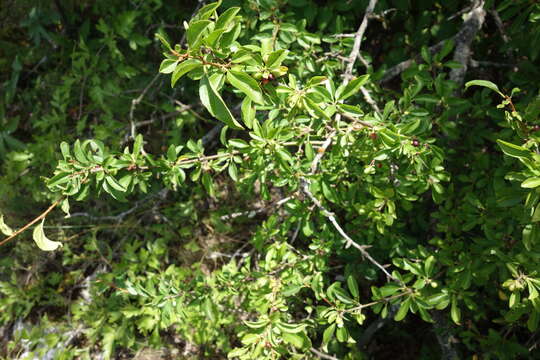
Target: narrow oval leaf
x=455, y=312
x=314, y=109
x=163, y=41
x=64, y=148
x=352, y=87
x=227, y=17
x=514, y=150
x=215, y=104
x=195, y=32
x=531, y=183
x=276, y=58
x=329, y=333
x=295, y=340
x=4, y=228
x=484, y=83
x=60, y=178
x=248, y=112
x=403, y=309
x=167, y=66
x=183, y=68
x=353, y=286
x=247, y=85
x=79, y=154
x=291, y=328
x=115, y=184
x=41, y=240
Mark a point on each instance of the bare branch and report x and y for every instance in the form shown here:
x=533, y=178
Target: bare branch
x=462, y=53
x=350, y=242
x=468, y=31
x=323, y=355
x=25, y=227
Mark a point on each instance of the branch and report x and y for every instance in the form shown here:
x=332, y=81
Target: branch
x=323, y=355
x=443, y=332
x=346, y=78
x=136, y=102
x=25, y=227
x=404, y=65
x=462, y=53
x=355, y=53
x=470, y=26
x=350, y=242
x=358, y=40
x=252, y=213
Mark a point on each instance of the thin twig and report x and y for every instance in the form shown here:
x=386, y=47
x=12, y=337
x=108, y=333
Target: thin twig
x=323, y=355
x=252, y=213
x=25, y=227
x=350, y=242
x=136, y=102
x=358, y=40
x=468, y=25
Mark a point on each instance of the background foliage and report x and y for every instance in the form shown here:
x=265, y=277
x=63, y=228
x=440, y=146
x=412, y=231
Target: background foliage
x=191, y=239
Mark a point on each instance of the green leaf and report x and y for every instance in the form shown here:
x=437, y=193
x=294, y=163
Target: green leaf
x=137, y=146
x=536, y=214
x=248, y=112
x=4, y=228
x=455, y=312
x=41, y=240
x=294, y=339
x=403, y=309
x=208, y=184
x=171, y=153
x=531, y=183
x=112, y=182
x=247, y=85
x=233, y=172
x=225, y=19
x=257, y=324
x=167, y=66
x=206, y=11
x=183, y=68
x=484, y=83
x=291, y=328
x=429, y=265
x=60, y=178
x=238, y=143
x=164, y=41
x=514, y=150
x=329, y=333
x=352, y=87
x=276, y=58
x=353, y=286
x=65, y=207
x=64, y=148
x=215, y=104
x=315, y=109
x=195, y=31
x=424, y=52
x=342, y=334
x=342, y=296
x=79, y=154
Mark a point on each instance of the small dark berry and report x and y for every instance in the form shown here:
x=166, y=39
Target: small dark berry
x=379, y=165
x=373, y=136
x=536, y=128
x=416, y=143
x=265, y=81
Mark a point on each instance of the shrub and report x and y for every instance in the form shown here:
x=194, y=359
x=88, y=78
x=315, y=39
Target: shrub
x=297, y=202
